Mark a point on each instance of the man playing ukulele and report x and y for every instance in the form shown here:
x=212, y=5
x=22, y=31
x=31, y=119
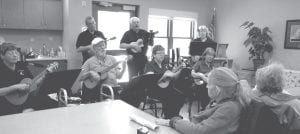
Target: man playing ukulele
x=97, y=63
x=135, y=41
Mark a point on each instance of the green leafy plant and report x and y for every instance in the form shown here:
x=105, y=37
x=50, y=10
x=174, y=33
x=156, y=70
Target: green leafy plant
x=258, y=39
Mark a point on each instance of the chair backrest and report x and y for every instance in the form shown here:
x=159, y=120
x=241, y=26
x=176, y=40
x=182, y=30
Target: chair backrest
x=258, y=118
x=62, y=97
x=111, y=94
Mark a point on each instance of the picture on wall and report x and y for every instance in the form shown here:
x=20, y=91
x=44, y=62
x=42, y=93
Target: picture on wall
x=292, y=34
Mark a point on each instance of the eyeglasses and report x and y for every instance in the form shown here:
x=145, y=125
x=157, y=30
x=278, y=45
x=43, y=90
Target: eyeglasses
x=160, y=53
x=13, y=52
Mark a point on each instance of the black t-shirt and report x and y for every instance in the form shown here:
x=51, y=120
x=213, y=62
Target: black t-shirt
x=10, y=77
x=153, y=67
x=132, y=36
x=197, y=47
x=85, y=38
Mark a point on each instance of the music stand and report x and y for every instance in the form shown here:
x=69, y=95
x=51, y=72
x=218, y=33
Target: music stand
x=61, y=79
x=203, y=45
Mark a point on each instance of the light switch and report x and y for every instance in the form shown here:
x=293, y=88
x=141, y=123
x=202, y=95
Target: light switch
x=83, y=3
x=32, y=39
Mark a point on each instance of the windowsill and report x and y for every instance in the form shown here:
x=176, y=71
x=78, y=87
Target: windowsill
x=116, y=52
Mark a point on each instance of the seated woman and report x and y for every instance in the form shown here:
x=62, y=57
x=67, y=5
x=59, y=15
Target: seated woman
x=200, y=72
x=269, y=89
x=172, y=96
x=157, y=64
x=97, y=63
x=222, y=116
x=172, y=100
x=10, y=78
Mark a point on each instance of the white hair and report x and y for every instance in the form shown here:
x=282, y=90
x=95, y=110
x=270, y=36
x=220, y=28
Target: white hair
x=270, y=79
x=203, y=27
x=132, y=19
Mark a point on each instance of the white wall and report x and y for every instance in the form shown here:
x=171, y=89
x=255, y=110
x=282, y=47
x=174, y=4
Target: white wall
x=75, y=13
x=272, y=13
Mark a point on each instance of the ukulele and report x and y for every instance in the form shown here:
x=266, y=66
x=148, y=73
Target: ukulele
x=20, y=97
x=140, y=44
x=112, y=38
x=200, y=81
x=91, y=83
x=165, y=80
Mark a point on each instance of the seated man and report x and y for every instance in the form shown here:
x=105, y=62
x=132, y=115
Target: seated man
x=12, y=74
x=103, y=64
x=172, y=97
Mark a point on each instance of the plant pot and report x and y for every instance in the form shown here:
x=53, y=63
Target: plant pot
x=258, y=63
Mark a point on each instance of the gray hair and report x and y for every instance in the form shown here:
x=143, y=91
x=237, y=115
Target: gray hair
x=209, y=50
x=7, y=47
x=230, y=85
x=270, y=79
x=88, y=18
x=132, y=19
x=157, y=48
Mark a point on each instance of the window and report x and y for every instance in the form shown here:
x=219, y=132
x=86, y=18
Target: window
x=111, y=23
x=183, y=45
x=182, y=27
x=160, y=24
x=174, y=32
x=182, y=34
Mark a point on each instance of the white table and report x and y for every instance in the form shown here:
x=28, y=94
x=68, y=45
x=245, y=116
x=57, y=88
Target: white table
x=111, y=117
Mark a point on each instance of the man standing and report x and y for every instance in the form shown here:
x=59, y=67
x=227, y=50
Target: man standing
x=135, y=41
x=83, y=43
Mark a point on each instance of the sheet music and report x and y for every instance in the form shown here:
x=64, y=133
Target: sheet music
x=143, y=122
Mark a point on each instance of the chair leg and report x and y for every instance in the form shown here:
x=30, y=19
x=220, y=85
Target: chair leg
x=199, y=105
x=162, y=114
x=190, y=103
x=144, y=104
x=155, y=110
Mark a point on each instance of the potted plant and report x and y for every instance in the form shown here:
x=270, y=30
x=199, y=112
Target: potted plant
x=259, y=41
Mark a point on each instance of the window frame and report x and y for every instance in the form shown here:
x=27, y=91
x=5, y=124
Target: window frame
x=114, y=7
x=170, y=22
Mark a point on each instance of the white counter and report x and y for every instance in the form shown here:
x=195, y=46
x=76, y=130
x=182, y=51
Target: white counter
x=46, y=58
